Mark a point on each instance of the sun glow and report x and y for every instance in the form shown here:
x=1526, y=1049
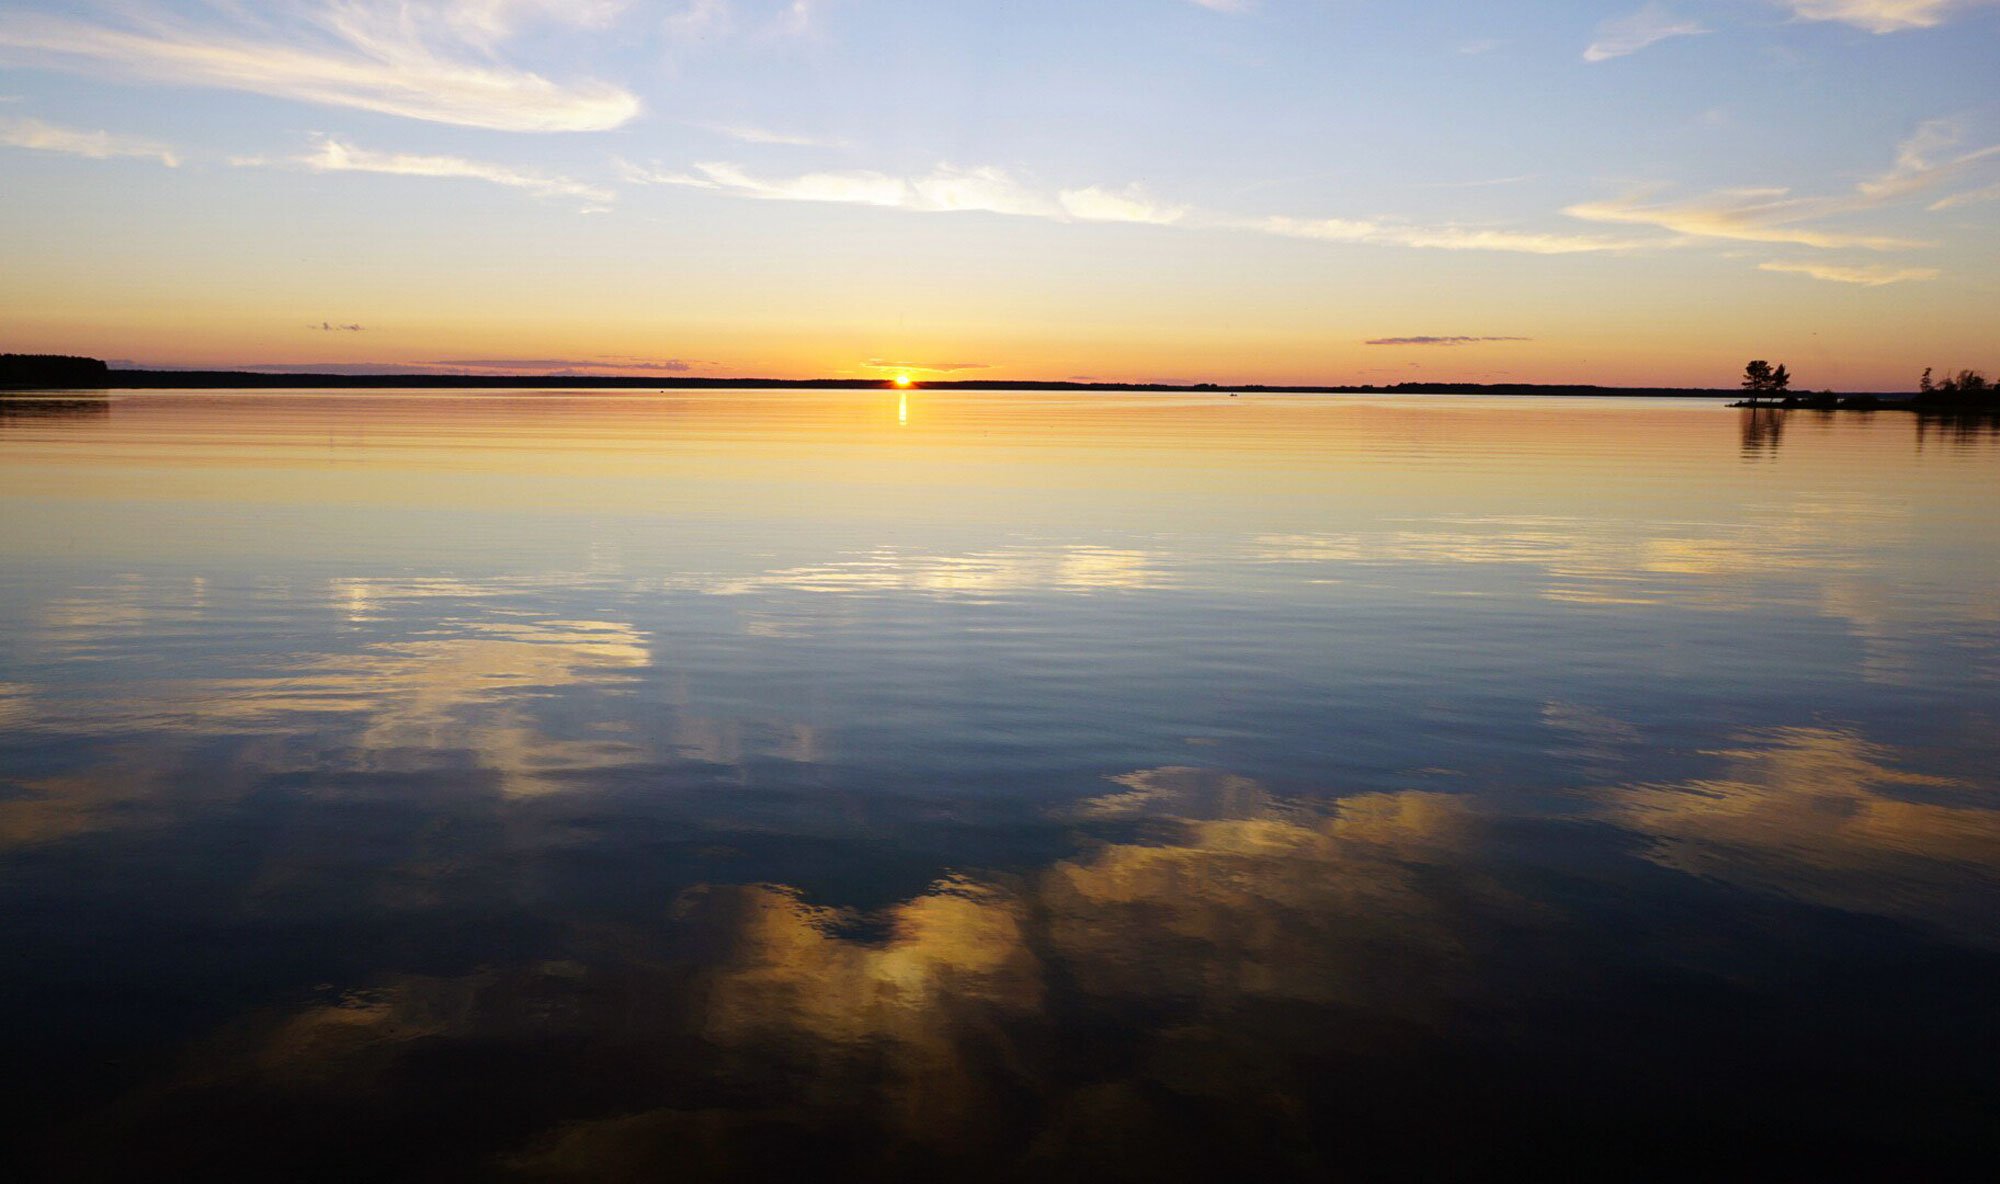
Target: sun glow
x=903, y=380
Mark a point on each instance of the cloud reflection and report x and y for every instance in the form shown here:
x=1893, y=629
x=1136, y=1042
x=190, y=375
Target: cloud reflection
x=366, y=598
x=466, y=702
x=467, y=693
x=48, y=809
x=15, y=708
x=1841, y=557
x=1228, y=934
x=1248, y=897
x=1822, y=815
x=1014, y=569
x=930, y=1020
x=1807, y=536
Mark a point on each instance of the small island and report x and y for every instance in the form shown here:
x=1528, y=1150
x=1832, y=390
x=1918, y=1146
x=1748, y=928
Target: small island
x=1968, y=392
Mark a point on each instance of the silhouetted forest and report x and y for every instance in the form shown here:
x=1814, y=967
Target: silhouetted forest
x=51, y=371
x=1966, y=390
x=22, y=370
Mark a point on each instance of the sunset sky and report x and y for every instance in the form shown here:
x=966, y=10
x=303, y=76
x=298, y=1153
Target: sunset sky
x=1321, y=191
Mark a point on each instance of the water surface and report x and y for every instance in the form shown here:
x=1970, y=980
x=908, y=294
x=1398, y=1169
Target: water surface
x=1019, y=786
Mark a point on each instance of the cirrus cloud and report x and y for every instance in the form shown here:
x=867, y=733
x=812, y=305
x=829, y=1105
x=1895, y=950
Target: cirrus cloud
x=753, y=134
x=1969, y=197
x=601, y=363
x=1869, y=275
x=1650, y=25
x=1774, y=215
x=98, y=145
x=1131, y=204
x=335, y=156
x=435, y=62
x=1455, y=340
x=1376, y=232
x=1881, y=16
x=932, y=367
x=949, y=189
x=1744, y=215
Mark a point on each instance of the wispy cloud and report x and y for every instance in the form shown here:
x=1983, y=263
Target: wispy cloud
x=1969, y=197
x=433, y=62
x=795, y=19
x=333, y=156
x=710, y=21
x=1917, y=167
x=989, y=190
x=1871, y=275
x=330, y=327
x=1650, y=25
x=1443, y=238
x=1130, y=204
x=752, y=134
x=1744, y=215
x=98, y=145
x=1881, y=16
x=948, y=189
x=345, y=367
x=598, y=366
x=1482, y=183
x=932, y=367
x=698, y=20
x=945, y=189
x=490, y=22
x=1775, y=216
x=643, y=365
x=1440, y=340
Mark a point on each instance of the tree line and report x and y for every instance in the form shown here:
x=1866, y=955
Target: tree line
x=37, y=371
x=1963, y=382
x=1965, y=390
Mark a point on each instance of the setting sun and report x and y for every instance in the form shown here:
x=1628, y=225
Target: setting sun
x=903, y=380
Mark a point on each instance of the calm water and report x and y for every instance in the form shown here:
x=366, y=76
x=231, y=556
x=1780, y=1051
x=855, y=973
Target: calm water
x=994, y=786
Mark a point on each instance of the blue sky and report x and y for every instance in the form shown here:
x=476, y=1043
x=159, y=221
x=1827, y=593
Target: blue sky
x=1258, y=189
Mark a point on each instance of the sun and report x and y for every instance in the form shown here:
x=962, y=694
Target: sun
x=904, y=380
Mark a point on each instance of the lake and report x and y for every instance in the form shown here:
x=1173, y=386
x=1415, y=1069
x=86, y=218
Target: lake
x=588, y=786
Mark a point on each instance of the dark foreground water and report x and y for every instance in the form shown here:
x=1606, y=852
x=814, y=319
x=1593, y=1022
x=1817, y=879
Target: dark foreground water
x=577, y=787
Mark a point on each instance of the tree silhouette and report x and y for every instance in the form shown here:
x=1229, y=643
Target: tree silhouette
x=1967, y=391
x=1759, y=378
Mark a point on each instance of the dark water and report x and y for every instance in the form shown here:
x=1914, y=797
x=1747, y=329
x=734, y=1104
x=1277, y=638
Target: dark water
x=1011, y=786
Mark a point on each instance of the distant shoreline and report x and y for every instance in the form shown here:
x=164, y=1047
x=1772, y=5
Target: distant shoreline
x=57, y=372
x=249, y=380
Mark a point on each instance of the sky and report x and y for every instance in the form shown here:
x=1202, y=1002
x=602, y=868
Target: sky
x=1284, y=191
